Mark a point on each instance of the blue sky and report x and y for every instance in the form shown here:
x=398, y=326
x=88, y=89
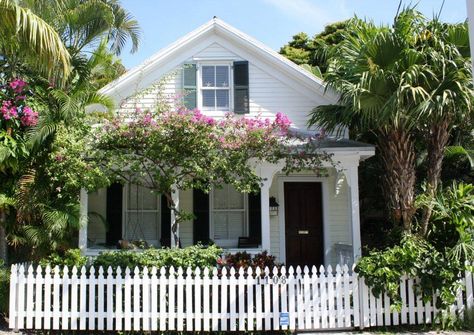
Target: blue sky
x=273, y=22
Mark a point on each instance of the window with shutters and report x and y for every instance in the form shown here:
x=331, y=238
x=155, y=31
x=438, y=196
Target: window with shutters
x=215, y=87
x=229, y=216
x=141, y=215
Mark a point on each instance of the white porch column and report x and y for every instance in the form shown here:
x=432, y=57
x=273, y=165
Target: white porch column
x=470, y=19
x=351, y=172
x=175, y=197
x=83, y=220
x=265, y=213
x=266, y=173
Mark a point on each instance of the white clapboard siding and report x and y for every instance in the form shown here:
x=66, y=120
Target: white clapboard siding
x=212, y=300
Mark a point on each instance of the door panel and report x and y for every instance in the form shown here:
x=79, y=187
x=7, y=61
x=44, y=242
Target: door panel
x=303, y=223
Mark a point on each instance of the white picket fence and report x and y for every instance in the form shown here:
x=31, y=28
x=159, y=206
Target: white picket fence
x=208, y=300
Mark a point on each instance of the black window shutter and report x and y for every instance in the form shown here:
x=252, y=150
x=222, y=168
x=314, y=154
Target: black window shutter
x=114, y=213
x=241, y=87
x=201, y=217
x=189, y=86
x=255, y=217
x=165, y=223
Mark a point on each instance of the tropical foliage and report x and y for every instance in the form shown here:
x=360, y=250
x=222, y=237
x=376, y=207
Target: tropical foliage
x=408, y=84
x=43, y=116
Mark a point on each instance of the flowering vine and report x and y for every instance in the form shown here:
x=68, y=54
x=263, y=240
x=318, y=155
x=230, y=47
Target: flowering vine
x=15, y=112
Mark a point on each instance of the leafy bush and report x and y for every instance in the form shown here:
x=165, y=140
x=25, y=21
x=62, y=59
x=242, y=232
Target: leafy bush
x=71, y=257
x=4, y=288
x=193, y=256
x=245, y=260
x=414, y=257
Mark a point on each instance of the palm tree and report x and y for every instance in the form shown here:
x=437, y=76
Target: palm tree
x=25, y=36
x=446, y=48
x=379, y=76
x=83, y=24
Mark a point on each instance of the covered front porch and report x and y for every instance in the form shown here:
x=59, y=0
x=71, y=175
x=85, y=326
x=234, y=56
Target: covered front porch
x=307, y=217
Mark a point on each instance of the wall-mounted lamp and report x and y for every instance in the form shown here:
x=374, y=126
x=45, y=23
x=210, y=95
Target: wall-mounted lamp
x=273, y=206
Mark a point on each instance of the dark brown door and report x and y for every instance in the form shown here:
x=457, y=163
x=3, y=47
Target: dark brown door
x=303, y=223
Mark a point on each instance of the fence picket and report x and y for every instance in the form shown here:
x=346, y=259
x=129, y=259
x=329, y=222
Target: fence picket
x=145, y=300
x=291, y=299
x=223, y=295
x=74, y=298
x=207, y=298
x=100, y=299
x=127, y=301
x=162, y=302
x=347, y=296
x=324, y=297
x=82, y=296
x=215, y=300
x=39, y=299
x=189, y=299
x=30, y=286
x=198, y=301
x=180, y=300
x=154, y=299
x=198, y=283
x=307, y=298
x=250, y=299
x=267, y=299
x=92, y=283
x=316, y=297
x=119, y=283
x=232, y=300
x=241, y=299
x=299, y=299
x=56, y=296
x=339, y=296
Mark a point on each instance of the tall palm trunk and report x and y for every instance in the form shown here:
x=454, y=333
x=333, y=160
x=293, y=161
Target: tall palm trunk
x=398, y=157
x=437, y=141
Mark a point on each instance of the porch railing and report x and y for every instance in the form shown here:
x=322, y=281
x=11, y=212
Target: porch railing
x=210, y=300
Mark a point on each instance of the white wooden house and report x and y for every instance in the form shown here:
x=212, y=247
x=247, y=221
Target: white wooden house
x=224, y=70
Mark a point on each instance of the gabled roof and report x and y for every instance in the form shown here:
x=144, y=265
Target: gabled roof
x=168, y=58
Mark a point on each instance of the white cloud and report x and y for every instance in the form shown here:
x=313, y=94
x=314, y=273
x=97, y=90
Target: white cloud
x=306, y=10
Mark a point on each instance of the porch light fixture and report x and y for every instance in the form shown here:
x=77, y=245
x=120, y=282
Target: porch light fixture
x=273, y=206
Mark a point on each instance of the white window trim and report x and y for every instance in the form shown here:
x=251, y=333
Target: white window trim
x=199, y=86
x=125, y=211
x=227, y=243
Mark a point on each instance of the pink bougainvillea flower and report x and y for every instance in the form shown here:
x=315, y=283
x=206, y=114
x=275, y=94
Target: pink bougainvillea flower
x=8, y=110
x=17, y=85
x=29, y=117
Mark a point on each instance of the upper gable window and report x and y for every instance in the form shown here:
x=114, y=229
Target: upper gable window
x=215, y=87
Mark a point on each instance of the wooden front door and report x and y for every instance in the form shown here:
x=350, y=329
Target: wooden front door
x=304, y=223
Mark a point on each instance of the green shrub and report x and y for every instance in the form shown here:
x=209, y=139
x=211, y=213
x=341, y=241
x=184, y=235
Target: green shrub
x=4, y=288
x=71, y=257
x=193, y=256
x=414, y=257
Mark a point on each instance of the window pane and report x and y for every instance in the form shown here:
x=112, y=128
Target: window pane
x=189, y=75
x=208, y=98
x=222, y=76
x=190, y=99
x=222, y=97
x=134, y=197
x=236, y=199
x=208, y=76
x=220, y=197
x=220, y=226
x=235, y=225
x=149, y=199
